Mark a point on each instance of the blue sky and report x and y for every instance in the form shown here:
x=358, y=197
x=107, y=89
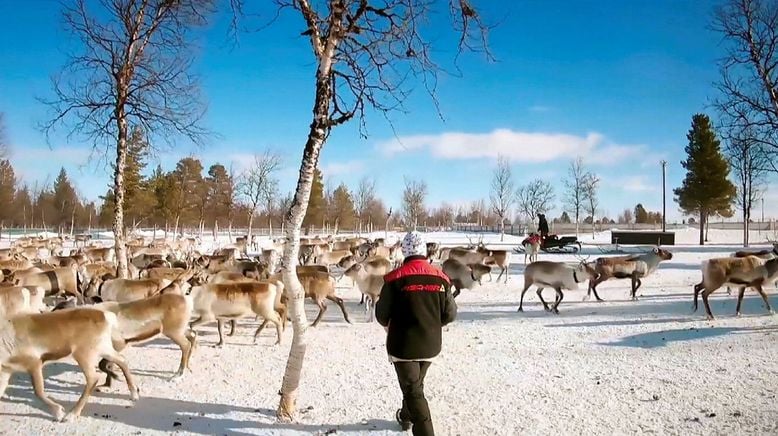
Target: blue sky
x=613, y=81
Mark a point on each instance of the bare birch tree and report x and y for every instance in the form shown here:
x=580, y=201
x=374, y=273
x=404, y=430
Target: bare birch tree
x=748, y=87
x=591, y=187
x=575, y=193
x=368, y=55
x=534, y=198
x=132, y=68
x=413, y=209
x=258, y=184
x=363, y=197
x=502, y=195
x=750, y=164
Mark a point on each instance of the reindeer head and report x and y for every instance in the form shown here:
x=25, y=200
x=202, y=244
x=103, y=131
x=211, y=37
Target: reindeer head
x=662, y=253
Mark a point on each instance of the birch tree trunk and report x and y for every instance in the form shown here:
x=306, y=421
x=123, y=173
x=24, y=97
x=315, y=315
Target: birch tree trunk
x=293, y=222
x=120, y=248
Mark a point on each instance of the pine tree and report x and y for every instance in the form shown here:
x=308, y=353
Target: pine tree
x=221, y=194
x=186, y=192
x=343, y=212
x=7, y=192
x=641, y=215
x=706, y=190
x=316, y=205
x=65, y=201
x=137, y=198
x=23, y=208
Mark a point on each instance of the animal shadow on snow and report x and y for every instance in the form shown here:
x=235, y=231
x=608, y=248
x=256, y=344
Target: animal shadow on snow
x=668, y=308
x=167, y=415
x=663, y=337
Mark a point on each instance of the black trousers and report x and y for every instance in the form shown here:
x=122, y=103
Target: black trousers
x=415, y=409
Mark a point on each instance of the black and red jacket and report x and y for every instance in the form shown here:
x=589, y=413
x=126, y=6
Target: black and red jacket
x=415, y=304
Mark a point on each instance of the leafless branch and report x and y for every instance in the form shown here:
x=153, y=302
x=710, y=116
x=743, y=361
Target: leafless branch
x=375, y=51
x=258, y=184
x=133, y=63
x=502, y=195
x=748, y=86
x=535, y=198
x=413, y=209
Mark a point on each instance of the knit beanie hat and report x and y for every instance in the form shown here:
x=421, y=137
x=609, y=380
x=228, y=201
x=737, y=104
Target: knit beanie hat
x=413, y=245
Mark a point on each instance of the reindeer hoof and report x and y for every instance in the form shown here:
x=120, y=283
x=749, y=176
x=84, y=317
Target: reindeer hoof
x=103, y=389
x=219, y=345
x=59, y=413
x=520, y=310
x=135, y=394
x=710, y=318
x=67, y=418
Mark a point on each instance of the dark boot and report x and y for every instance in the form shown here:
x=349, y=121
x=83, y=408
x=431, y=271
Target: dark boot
x=405, y=422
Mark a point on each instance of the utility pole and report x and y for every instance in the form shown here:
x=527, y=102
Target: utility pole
x=664, y=205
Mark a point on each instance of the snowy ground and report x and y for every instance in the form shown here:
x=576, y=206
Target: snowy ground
x=618, y=367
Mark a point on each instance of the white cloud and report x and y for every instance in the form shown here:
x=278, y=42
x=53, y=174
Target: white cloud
x=64, y=154
x=637, y=184
x=523, y=147
x=338, y=168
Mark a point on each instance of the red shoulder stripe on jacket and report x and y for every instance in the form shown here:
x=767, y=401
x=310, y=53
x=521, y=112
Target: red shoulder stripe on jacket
x=416, y=268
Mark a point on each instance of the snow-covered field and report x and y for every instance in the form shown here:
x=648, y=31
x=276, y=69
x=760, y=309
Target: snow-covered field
x=618, y=367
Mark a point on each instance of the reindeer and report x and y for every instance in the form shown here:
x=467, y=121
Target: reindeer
x=556, y=275
x=464, y=276
x=744, y=272
x=627, y=267
x=501, y=258
x=29, y=341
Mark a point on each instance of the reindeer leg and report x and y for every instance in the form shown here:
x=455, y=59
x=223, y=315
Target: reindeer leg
x=232, y=328
x=764, y=297
x=593, y=288
x=186, y=346
x=339, y=302
x=697, y=288
x=110, y=375
x=540, y=295
x=559, y=297
x=219, y=325
x=524, y=291
x=36, y=373
x=87, y=365
x=705, y=294
x=740, y=292
x=635, y=286
x=322, y=309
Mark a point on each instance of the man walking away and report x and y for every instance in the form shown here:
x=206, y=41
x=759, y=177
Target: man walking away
x=415, y=304
x=542, y=226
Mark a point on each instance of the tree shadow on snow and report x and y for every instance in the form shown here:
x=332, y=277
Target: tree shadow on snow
x=663, y=337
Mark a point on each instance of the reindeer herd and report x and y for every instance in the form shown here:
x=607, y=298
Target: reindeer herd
x=53, y=306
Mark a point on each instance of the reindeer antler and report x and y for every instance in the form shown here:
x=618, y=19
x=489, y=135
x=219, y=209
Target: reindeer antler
x=582, y=259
